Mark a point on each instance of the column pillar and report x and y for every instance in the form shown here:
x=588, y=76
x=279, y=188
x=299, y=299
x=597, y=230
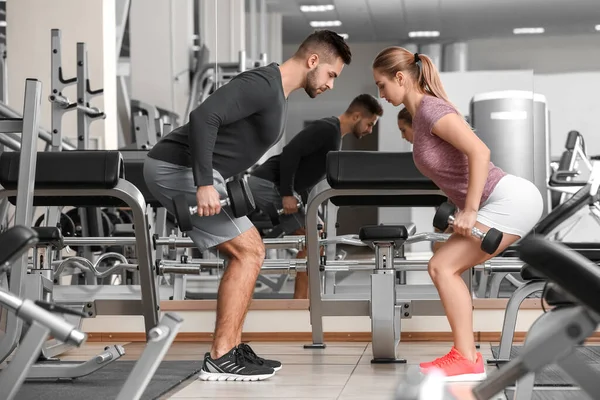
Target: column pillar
x=161, y=38
x=433, y=51
x=455, y=57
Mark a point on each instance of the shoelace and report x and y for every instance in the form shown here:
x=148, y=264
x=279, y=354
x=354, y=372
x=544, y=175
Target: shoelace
x=447, y=359
x=250, y=354
x=240, y=357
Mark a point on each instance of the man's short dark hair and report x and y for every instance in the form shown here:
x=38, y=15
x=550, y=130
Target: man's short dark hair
x=327, y=44
x=365, y=103
x=405, y=116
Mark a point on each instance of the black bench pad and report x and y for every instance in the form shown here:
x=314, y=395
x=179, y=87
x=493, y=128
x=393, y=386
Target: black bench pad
x=379, y=170
x=49, y=236
x=94, y=169
x=383, y=233
x=530, y=274
x=555, y=296
x=591, y=251
x=134, y=173
x=14, y=242
x=575, y=274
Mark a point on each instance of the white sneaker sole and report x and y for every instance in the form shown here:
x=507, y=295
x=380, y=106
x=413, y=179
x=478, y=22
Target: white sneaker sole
x=277, y=368
x=466, y=378
x=217, y=376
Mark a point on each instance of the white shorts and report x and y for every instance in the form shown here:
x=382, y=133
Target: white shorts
x=514, y=207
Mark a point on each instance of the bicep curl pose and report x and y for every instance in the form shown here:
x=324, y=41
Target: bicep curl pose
x=227, y=134
x=447, y=151
x=302, y=164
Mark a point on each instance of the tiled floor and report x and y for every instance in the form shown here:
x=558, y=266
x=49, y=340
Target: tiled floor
x=339, y=372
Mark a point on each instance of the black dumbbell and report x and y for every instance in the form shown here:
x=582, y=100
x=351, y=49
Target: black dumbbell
x=445, y=217
x=274, y=213
x=239, y=198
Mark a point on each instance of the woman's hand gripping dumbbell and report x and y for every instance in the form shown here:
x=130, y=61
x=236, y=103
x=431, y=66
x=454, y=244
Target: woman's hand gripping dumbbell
x=444, y=217
x=239, y=198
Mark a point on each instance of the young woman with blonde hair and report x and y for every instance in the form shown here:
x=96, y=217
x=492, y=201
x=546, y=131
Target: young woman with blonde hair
x=447, y=151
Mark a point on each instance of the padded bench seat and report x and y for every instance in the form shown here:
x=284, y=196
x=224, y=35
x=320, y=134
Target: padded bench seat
x=134, y=173
x=591, y=251
x=374, y=170
x=397, y=233
x=14, y=241
x=576, y=275
x=49, y=236
x=75, y=169
x=556, y=297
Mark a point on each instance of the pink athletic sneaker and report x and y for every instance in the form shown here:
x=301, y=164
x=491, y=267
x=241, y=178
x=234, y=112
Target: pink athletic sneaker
x=456, y=368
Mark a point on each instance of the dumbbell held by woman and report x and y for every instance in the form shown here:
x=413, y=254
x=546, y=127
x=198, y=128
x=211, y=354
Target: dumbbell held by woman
x=444, y=217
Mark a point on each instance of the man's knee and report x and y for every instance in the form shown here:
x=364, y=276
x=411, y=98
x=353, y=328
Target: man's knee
x=248, y=245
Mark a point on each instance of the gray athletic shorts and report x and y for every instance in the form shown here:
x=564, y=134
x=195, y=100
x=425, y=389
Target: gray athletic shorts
x=265, y=193
x=166, y=180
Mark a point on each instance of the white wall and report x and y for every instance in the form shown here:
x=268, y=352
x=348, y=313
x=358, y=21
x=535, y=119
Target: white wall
x=29, y=23
x=543, y=54
x=574, y=105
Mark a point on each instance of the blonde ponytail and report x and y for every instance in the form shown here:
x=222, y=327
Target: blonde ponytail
x=418, y=66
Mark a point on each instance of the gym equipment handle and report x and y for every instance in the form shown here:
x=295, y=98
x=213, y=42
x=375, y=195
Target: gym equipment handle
x=475, y=231
x=194, y=209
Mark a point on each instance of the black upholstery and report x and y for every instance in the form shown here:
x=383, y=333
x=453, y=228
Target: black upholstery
x=590, y=251
x=66, y=169
x=14, y=242
x=383, y=233
x=134, y=173
x=379, y=170
x=530, y=274
x=49, y=236
x=574, y=273
x=557, y=297
x=565, y=211
x=572, y=137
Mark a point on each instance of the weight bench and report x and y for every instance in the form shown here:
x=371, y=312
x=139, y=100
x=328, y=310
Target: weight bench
x=385, y=314
x=13, y=243
x=573, y=290
x=89, y=179
x=369, y=178
x=533, y=281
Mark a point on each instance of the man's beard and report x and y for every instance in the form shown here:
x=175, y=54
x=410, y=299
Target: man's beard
x=311, y=83
x=357, y=134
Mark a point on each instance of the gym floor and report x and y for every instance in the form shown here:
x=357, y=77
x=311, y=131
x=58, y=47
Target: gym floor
x=341, y=371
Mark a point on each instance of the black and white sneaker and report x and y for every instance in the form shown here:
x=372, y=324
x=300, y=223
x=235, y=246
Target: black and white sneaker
x=252, y=356
x=233, y=366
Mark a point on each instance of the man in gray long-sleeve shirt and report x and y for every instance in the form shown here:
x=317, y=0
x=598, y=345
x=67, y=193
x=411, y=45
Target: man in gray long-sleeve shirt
x=227, y=134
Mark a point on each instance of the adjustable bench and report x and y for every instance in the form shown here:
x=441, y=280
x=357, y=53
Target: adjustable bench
x=356, y=178
x=385, y=314
x=534, y=282
x=13, y=243
x=90, y=179
x=575, y=283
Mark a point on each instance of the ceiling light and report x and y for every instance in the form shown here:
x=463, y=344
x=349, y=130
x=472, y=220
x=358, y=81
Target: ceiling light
x=322, y=8
x=528, y=31
x=423, y=34
x=324, y=24
x=598, y=27
x=345, y=36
